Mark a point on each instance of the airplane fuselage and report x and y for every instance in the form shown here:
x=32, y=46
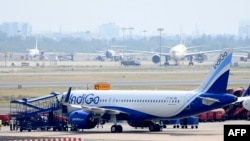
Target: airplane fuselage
x=147, y=104
x=33, y=52
x=178, y=52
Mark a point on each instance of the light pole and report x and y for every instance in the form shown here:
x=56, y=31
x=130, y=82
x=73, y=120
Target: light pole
x=160, y=30
x=87, y=34
x=130, y=28
x=123, y=31
x=144, y=32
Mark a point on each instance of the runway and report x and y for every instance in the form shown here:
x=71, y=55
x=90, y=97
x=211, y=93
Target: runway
x=114, y=83
x=209, y=131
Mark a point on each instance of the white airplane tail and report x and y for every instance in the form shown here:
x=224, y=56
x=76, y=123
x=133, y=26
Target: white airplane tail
x=36, y=44
x=217, y=78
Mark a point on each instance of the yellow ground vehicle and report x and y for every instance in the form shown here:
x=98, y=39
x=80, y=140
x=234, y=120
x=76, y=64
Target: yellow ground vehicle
x=102, y=86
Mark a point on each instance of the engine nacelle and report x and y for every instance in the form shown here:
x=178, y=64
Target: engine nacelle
x=109, y=53
x=82, y=120
x=139, y=123
x=243, y=58
x=156, y=58
x=200, y=58
x=246, y=104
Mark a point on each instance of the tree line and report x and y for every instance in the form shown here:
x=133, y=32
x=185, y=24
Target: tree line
x=76, y=44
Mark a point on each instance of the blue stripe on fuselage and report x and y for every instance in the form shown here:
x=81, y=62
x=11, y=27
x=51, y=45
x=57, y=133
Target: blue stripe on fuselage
x=196, y=106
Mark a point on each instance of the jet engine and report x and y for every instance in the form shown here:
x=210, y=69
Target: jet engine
x=109, y=53
x=82, y=120
x=139, y=123
x=156, y=58
x=246, y=104
x=200, y=58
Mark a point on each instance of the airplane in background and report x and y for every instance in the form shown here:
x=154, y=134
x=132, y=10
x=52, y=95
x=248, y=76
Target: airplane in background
x=246, y=57
x=55, y=56
x=178, y=53
x=111, y=54
x=115, y=53
x=242, y=100
x=34, y=52
x=145, y=108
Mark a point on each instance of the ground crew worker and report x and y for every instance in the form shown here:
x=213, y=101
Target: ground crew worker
x=11, y=124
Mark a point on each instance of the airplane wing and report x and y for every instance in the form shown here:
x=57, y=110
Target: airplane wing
x=201, y=52
x=191, y=47
x=97, y=110
x=149, y=52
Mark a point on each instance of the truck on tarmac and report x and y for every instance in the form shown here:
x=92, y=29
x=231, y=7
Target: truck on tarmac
x=5, y=119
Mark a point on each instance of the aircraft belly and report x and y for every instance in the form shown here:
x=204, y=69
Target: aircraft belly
x=159, y=110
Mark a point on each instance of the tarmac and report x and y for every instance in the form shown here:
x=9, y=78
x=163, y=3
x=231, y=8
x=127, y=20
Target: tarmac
x=206, y=131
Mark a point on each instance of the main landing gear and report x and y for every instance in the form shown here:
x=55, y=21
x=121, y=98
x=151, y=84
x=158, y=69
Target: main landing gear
x=166, y=61
x=116, y=129
x=191, y=61
x=154, y=127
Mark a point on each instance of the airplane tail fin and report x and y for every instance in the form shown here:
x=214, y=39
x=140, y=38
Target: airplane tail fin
x=36, y=44
x=246, y=92
x=217, y=78
x=65, y=100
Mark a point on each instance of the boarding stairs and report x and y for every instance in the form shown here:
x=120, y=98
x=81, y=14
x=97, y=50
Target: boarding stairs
x=26, y=108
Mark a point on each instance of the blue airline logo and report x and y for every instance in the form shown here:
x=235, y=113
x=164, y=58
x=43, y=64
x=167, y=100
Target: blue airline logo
x=220, y=59
x=84, y=99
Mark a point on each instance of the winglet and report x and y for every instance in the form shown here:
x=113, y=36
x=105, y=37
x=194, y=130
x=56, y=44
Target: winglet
x=217, y=78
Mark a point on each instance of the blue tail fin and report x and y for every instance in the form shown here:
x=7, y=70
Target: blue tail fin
x=246, y=92
x=66, y=99
x=217, y=78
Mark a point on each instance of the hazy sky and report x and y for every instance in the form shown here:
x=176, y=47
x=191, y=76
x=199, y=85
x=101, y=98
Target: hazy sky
x=209, y=16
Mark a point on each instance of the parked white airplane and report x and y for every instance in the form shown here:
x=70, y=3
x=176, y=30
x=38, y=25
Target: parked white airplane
x=115, y=54
x=145, y=108
x=177, y=53
x=34, y=52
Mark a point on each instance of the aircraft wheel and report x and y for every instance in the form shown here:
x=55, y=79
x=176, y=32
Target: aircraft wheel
x=116, y=129
x=154, y=127
x=158, y=127
x=113, y=129
x=151, y=128
x=119, y=128
x=166, y=63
